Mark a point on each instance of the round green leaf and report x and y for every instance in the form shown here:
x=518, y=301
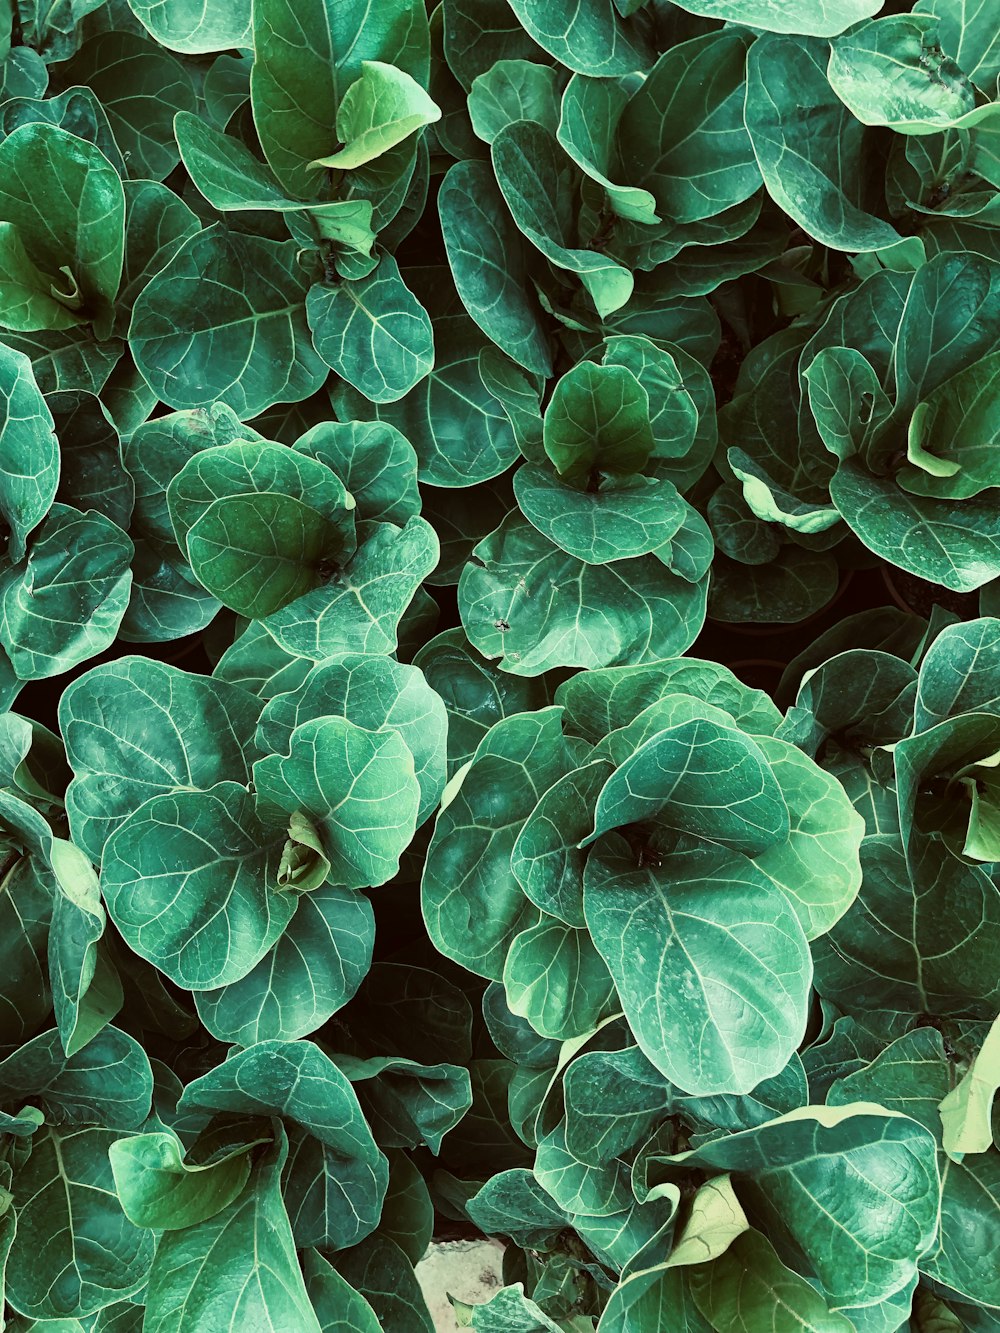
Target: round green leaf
x=374, y=692
x=191, y=882
x=259, y=523
x=67, y=602
x=524, y=601
x=136, y=728
x=360, y=789
x=311, y=972
x=709, y=959
x=225, y=319
x=373, y=332
x=617, y=521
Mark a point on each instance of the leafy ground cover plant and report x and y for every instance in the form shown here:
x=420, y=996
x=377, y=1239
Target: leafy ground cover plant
x=409, y=414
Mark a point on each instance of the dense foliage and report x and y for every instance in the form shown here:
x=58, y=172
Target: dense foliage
x=413, y=420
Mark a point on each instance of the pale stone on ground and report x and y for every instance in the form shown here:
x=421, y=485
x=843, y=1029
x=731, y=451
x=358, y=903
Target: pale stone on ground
x=469, y=1270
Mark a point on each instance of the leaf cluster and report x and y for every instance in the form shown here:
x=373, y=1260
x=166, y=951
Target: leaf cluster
x=390, y=395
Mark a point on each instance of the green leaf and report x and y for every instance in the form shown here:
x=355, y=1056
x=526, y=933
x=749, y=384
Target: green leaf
x=618, y=521
x=381, y=1272
x=164, y=603
x=74, y=1251
x=949, y=440
x=77, y=110
x=749, y=1287
x=77, y=237
x=109, y=1082
x=598, y=703
x=136, y=728
x=598, y=419
x=698, y=778
x=857, y=1249
x=67, y=359
x=613, y=1099
x=966, y=1112
x=374, y=693
x=468, y=881
x=225, y=320
x=457, y=426
x=141, y=87
x=256, y=663
x=375, y=462
x=944, y=541
x=510, y=1311
x=232, y=910
x=260, y=523
x=816, y=18
x=969, y=34
x=195, y=26
x=308, y=975
x=91, y=471
x=86, y=991
x=337, y=1305
x=916, y=940
x=514, y=1204
x=892, y=72
x=23, y=73
x=25, y=913
x=513, y=90
x=959, y=673
x=556, y=979
x=157, y=450
x=795, y=585
x=701, y=933
x=330, y=1137
x=589, y=129
x=655, y=1286
x=827, y=194
x=360, y=607
x=528, y=603
x=65, y=604
x=847, y=401
x=380, y=109
x=159, y=1190
x=239, y=1264
x=818, y=865
x=373, y=332
x=29, y=451
x=406, y=1103
x=539, y=183
x=476, y=694
x=682, y=135
x=408, y=1211
x=478, y=231
x=970, y=1199
x=590, y=37
x=547, y=858
x=359, y=788
x=232, y=179
x=307, y=60
x=911, y=1075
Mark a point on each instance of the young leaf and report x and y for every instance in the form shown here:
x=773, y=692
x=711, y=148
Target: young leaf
x=159, y=1190
x=254, y=1273
x=307, y=60
x=380, y=109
